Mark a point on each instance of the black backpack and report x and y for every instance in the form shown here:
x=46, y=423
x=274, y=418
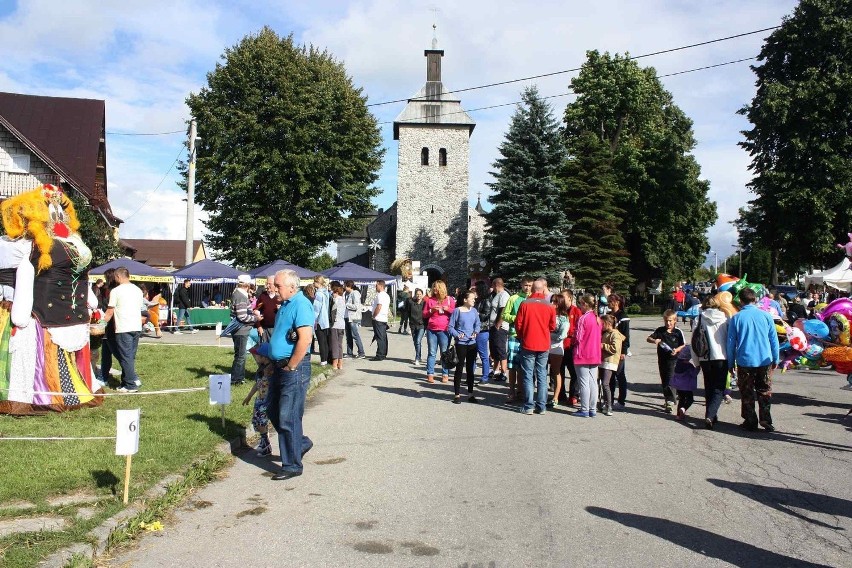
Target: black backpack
x=700, y=345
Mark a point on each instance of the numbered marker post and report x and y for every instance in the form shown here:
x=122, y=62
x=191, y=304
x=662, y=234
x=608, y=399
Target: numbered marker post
x=126, y=440
x=218, y=332
x=220, y=392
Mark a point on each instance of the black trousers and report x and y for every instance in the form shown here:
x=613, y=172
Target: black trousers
x=571, y=387
x=380, y=330
x=467, y=359
x=403, y=321
x=667, y=367
x=322, y=336
x=715, y=377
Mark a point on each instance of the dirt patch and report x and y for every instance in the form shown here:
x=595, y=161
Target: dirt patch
x=251, y=512
x=366, y=525
x=330, y=461
x=201, y=504
x=421, y=549
x=373, y=547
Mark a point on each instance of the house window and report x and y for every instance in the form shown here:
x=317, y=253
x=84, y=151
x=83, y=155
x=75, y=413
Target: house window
x=20, y=164
x=442, y=157
x=424, y=157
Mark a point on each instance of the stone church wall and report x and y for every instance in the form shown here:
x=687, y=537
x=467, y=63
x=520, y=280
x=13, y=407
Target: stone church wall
x=432, y=200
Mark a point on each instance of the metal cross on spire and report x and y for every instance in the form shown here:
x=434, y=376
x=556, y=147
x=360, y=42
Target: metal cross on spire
x=434, y=9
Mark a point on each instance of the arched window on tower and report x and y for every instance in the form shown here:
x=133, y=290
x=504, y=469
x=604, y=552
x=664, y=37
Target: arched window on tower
x=442, y=157
x=424, y=157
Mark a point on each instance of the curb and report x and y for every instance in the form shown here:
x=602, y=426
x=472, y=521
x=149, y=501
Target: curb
x=100, y=534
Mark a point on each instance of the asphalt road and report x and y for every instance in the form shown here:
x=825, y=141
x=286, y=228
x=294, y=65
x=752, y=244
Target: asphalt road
x=399, y=476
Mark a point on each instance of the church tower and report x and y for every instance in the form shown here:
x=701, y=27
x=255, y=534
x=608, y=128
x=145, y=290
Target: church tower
x=432, y=179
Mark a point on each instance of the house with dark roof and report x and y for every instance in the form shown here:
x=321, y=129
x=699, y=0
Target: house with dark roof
x=165, y=254
x=56, y=140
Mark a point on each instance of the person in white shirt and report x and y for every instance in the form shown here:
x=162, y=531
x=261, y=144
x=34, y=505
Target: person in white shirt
x=125, y=306
x=381, y=307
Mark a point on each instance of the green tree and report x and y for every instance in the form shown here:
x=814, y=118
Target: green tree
x=657, y=179
x=589, y=198
x=320, y=262
x=288, y=151
x=95, y=232
x=801, y=138
x=527, y=231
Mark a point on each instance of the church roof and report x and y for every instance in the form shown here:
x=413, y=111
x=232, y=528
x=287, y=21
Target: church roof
x=433, y=104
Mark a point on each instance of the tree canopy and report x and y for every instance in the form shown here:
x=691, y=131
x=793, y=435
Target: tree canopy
x=288, y=151
x=801, y=139
x=649, y=140
x=527, y=229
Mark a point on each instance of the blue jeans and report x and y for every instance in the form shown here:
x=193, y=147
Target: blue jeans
x=288, y=390
x=482, y=351
x=534, y=361
x=436, y=339
x=184, y=312
x=238, y=367
x=353, y=335
x=125, y=351
x=417, y=337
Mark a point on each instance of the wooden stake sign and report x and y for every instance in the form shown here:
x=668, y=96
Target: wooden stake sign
x=126, y=440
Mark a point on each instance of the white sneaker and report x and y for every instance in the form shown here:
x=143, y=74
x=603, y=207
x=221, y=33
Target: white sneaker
x=629, y=354
x=177, y=333
x=193, y=331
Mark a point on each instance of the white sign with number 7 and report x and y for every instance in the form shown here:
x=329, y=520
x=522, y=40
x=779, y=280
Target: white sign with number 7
x=126, y=432
x=220, y=389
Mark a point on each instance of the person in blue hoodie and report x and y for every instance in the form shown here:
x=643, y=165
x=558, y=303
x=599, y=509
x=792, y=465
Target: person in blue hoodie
x=752, y=352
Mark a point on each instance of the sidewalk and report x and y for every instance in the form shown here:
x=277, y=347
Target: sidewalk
x=399, y=476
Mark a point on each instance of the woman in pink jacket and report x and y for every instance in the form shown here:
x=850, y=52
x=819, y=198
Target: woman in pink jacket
x=587, y=356
x=437, y=310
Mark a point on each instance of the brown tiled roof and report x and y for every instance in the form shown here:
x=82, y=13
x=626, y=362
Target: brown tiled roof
x=159, y=252
x=63, y=132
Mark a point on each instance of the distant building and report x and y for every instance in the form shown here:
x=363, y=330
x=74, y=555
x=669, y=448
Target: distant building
x=54, y=140
x=165, y=254
x=431, y=221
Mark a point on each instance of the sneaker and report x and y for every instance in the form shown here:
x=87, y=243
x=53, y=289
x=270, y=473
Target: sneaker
x=728, y=399
x=499, y=377
x=607, y=411
x=484, y=381
x=580, y=414
x=667, y=407
x=618, y=405
x=846, y=387
x=592, y=414
x=629, y=354
x=361, y=356
x=527, y=411
x=264, y=448
x=193, y=331
x=349, y=356
x=125, y=389
x=681, y=414
x=177, y=333
x=323, y=363
x=767, y=426
x=537, y=411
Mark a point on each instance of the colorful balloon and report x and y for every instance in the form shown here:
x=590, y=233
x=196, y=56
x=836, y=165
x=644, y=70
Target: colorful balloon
x=838, y=326
x=797, y=339
x=838, y=306
x=816, y=328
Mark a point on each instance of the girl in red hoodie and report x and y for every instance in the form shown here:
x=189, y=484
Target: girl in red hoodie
x=587, y=356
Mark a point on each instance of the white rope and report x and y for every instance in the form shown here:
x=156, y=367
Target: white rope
x=137, y=393
x=4, y=438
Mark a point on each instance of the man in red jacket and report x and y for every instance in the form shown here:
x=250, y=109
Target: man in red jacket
x=535, y=320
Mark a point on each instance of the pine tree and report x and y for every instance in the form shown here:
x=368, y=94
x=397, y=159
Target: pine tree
x=527, y=230
x=589, y=198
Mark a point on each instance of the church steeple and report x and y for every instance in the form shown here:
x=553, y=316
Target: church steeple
x=433, y=58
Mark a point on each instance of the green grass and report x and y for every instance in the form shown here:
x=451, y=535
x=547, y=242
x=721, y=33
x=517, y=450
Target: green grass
x=174, y=431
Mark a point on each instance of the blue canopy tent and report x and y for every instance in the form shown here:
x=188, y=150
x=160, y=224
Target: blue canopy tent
x=138, y=271
x=361, y=275
x=207, y=272
x=261, y=272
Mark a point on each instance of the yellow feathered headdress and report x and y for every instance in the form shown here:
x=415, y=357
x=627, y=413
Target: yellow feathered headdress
x=41, y=214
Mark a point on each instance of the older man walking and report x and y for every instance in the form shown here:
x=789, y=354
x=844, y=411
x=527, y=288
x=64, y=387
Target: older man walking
x=753, y=350
x=246, y=317
x=535, y=320
x=289, y=351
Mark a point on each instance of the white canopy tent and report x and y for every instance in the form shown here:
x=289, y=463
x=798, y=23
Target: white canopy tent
x=839, y=277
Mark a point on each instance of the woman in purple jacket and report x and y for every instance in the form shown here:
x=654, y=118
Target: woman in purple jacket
x=587, y=356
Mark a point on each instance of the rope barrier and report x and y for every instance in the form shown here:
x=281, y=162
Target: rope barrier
x=52, y=438
x=137, y=393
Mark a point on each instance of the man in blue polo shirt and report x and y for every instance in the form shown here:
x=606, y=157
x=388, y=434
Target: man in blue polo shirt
x=753, y=349
x=289, y=350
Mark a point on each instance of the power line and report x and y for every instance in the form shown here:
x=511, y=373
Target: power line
x=146, y=133
x=148, y=197
x=651, y=54
x=563, y=94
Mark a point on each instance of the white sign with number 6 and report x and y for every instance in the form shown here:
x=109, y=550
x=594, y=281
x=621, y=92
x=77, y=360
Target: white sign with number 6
x=126, y=432
x=220, y=389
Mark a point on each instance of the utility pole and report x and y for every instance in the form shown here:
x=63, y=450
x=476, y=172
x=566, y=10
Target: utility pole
x=190, y=194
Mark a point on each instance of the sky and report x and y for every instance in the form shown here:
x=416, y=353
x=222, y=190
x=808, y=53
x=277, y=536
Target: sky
x=145, y=57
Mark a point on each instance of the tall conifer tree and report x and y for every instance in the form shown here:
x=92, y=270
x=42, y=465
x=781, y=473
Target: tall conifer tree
x=527, y=230
x=599, y=254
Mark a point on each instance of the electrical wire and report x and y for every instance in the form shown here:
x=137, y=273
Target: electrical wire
x=633, y=57
x=148, y=197
x=146, y=133
x=561, y=94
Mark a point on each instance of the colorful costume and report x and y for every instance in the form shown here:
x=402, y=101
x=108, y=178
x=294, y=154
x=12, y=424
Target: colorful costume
x=44, y=315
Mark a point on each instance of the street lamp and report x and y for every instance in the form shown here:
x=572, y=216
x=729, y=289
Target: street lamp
x=715, y=262
x=740, y=266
